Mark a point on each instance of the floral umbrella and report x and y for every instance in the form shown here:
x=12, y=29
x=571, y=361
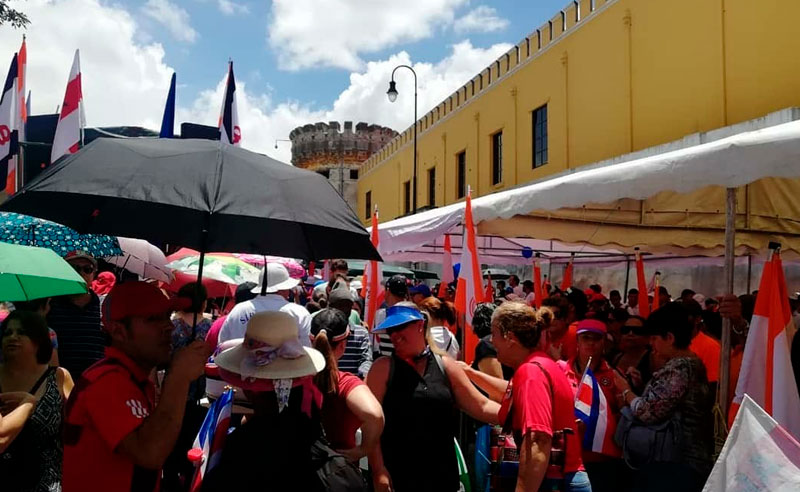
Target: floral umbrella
x=31, y=231
x=227, y=269
x=294, y=267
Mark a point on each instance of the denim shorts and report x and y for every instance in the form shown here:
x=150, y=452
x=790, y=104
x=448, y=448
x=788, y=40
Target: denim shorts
x=573, y=482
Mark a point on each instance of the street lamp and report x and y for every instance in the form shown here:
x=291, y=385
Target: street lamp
x=280, y=140
x=392, y=94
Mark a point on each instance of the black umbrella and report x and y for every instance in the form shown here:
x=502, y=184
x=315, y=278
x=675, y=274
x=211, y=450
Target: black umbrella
x=202, y=194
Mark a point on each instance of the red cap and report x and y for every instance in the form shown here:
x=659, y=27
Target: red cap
x=596, y=297
x=592, y=325
x=139, y=299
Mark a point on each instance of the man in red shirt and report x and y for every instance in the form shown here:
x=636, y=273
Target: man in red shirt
x=115, y=437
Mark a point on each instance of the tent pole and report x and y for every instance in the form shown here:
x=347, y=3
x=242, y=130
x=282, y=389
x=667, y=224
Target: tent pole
x=725, y=359
x=203, y=247
x=627, y=276
x=749, y=271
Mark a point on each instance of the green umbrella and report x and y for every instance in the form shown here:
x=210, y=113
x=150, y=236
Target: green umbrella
x=27, y=272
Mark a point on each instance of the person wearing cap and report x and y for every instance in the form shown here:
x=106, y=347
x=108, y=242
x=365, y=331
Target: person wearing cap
x=272, y=294
x=357, y=356
x=271, y=451
x=396, y=291
x=418, y=389
x=348, y=404
x=115, y=436
x=419, y=293
x=606, y=470
x=76, y=320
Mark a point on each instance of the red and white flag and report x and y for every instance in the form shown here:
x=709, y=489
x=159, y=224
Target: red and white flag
x=469, y=290
x=641, y=283
x=447, y=267
x=22, y=107
x=8, y=133
x=372, y=279
x=766, y=374
x=229, y=131
x=566, y=283
x=68, y=131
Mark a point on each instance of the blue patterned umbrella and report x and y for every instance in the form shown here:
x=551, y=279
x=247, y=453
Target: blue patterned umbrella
x=30, y=231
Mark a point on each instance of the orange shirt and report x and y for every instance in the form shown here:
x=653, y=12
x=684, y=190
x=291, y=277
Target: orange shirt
x=708, y=350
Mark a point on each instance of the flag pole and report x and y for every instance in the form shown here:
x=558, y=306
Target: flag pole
x=580, y=381
x=725, y=360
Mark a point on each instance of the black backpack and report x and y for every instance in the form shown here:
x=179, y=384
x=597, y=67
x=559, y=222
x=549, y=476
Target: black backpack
x=334, y=472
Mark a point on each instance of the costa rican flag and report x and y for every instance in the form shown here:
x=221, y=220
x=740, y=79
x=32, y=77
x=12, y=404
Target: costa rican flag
x=229, y=131
x=591, y=407
x=208, y=444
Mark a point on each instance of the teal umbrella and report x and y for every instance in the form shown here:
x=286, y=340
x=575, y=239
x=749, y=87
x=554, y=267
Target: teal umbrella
x=27, y=272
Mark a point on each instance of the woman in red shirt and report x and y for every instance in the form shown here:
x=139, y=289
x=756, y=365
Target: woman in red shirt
x=538, y=404
x=347, y=402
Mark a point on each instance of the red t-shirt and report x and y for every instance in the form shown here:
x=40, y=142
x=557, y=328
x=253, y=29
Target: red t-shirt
x=339, y=422
x=112, y=399
x=708, y=350
x=534, y=409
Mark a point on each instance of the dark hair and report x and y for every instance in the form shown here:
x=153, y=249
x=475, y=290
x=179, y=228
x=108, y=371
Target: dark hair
x=528, y=284
x=597, y=288
x=521, y=320
x=637, y=318
x=337, y=278
x=672, y=318
x=34, y=327
x=482, y=319
x=339, y=265
x=557, y=302
x=244, y=292
x=577, y=298
x=613, y=293
x=633, y=292
x=190, y=291
x=687, y=292
x=326, y=325
x=33, y=306
x=312, y=307
x=620, y=314
x=514, y=277
x=439, y=310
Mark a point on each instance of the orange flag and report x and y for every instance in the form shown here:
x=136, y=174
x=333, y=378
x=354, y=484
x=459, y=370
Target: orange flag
x=566, y=283
x=644, y=302
x=447, y=267
x=537, y=282
x=372, y=279
x=469, y=290
x=766, y=374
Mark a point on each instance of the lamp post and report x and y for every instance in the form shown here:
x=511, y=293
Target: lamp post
x=280, y=140
x=392, y=94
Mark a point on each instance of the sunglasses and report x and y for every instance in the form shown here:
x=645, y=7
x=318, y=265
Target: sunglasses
x=87, y=269
x=636, y=330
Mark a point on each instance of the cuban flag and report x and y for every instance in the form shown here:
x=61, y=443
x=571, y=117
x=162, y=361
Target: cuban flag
x=591, y=407
x=229, y=131
x=208, y=444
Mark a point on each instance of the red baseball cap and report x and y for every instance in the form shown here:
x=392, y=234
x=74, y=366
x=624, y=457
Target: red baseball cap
x=139, y=299
x=593, y=326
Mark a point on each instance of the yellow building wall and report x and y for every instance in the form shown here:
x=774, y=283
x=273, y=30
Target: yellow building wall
x=628, y=75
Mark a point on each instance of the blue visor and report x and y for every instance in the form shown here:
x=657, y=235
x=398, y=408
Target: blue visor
x=398, y=316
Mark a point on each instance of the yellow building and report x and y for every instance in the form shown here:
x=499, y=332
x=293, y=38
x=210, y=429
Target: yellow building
x=602, y=78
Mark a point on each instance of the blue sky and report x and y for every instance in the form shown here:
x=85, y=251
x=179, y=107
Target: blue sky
x=296, y=61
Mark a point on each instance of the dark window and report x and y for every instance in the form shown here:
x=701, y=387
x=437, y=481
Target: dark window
x=325, y=172
x=497, y=158
x=461, y=174
x=432, y=187
x=354, y=174
x=368, y=205
x=539, y=136
x=407, y=196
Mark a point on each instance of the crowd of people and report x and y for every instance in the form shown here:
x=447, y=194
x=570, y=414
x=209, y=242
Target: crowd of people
x=107, y=390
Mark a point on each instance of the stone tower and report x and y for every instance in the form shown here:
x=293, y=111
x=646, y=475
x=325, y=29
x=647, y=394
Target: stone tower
x=336, y=154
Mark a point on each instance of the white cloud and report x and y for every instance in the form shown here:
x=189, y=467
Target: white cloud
x=173, y=17
x=306, y=35
x=481, y=19
x=125, y=81
x=228, y=7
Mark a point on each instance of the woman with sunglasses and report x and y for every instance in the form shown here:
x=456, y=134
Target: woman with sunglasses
x=347, y=404
x=635, y=359
x=418, y=389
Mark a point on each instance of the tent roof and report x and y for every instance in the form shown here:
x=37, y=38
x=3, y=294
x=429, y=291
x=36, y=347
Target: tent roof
x=556, y=208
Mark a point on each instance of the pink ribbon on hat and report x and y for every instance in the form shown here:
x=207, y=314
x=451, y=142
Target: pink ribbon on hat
x=260, y=354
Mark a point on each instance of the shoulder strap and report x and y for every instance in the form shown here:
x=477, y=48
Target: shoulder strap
x=549, y=383
x=41, y=380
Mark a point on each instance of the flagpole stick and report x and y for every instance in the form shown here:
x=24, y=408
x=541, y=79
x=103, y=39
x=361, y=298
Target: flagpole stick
x=725, y=359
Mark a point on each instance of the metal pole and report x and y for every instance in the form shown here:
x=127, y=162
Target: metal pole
x=749, y=271
x=414, y=204
x=725, y=359
x=627, y=276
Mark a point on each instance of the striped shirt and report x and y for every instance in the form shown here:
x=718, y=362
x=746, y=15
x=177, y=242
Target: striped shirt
x=81, y=339
x=381, y=343
x=357, y=357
